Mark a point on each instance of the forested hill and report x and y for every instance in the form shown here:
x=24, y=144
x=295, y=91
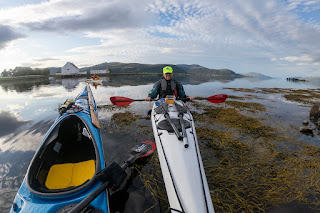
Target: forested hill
x=134, y=68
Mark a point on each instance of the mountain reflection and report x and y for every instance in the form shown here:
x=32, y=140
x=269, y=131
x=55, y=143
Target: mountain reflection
x=135, y=80
x=111, y=80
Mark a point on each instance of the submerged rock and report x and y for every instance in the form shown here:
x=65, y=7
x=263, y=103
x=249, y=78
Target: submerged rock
x=305, y=129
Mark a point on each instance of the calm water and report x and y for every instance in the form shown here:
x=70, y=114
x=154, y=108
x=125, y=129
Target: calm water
x=28, y=109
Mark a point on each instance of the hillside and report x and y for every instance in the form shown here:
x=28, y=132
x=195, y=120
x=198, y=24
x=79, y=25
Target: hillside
x=256, y=75
x=200, y=70
x=136, y=68
x=117, y=68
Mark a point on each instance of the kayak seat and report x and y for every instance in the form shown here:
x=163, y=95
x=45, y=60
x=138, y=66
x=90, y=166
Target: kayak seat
x=66, y=175
x=165, y=125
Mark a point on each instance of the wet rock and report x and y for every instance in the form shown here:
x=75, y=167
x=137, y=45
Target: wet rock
x=315, y=114
x=307, y=128
x=305, y=123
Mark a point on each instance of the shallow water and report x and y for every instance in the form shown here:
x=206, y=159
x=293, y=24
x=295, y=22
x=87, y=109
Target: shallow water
x=28, y=109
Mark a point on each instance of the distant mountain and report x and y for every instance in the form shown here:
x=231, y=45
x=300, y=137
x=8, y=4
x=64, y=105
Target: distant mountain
x=197, y=69
x=256, y=75
x=134, y=68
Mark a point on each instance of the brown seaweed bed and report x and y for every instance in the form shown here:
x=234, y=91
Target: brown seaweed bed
x=250, y=166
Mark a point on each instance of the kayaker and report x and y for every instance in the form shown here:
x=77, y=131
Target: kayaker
x=167, y=86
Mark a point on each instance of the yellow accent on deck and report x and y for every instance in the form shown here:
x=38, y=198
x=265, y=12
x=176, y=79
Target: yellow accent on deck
x=66, y=175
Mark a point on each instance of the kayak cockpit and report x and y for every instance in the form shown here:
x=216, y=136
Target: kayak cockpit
x=66, y=161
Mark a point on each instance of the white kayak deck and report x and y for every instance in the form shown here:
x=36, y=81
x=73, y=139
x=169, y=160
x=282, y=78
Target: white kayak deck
x=182, y=168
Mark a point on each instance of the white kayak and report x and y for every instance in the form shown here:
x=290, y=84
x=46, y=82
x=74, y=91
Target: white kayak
x=94, y=81
x=181, y=167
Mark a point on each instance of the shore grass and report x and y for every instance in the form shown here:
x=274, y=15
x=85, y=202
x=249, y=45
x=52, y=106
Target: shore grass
x=246, y=169
x=250, y=106
x=250, y=166
x=124, y=118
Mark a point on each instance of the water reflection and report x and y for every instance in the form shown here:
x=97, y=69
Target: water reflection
x=13, y=166
x=9, y=123
x=27, y=137
x=113, y=80
x=23, y=85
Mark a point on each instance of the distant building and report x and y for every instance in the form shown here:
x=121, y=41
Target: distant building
x=69, y=69
x=99, y=71
x=54, y=70
x=82, y=72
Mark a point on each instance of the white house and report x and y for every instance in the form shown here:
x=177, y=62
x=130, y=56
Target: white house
x=99, y=71
x=69, y=69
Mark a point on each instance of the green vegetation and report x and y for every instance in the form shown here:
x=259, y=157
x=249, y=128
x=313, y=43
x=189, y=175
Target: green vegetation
x=25, y=71
x=24, y=83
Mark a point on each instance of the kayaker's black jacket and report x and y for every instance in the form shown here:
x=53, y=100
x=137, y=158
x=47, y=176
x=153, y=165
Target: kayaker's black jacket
x=164, y=88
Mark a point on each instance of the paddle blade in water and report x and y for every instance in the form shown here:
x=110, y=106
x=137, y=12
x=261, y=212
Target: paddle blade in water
x=121, y=101
x=217, y=98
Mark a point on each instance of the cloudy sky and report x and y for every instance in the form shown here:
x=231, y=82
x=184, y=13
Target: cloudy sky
x=274, y=37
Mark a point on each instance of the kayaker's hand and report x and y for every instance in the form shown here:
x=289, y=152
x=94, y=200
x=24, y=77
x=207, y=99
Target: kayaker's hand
x=148, y=99
x=191, y=98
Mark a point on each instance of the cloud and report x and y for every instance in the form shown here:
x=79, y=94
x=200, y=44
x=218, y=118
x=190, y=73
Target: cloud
x=305, y=58
x=8, y=34
x=30, y=64
x=307, y=5
x=45, y=59
x=239, y=35
x=79, y=15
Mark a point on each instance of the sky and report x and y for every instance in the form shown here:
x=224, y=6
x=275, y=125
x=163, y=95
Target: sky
x=279, y=38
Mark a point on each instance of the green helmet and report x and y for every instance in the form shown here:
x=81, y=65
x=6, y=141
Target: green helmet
x=167, y=69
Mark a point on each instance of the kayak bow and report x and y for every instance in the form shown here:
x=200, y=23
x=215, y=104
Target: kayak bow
x=62, y=171
x=180, y=159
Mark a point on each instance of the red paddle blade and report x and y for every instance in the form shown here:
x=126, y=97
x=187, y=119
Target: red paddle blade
x=151, y=146
x=217, y=98
x=144, y=149
x=121, y=101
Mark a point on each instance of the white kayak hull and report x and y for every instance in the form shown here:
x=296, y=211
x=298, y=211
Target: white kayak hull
x=181, y=167
x=94, y=81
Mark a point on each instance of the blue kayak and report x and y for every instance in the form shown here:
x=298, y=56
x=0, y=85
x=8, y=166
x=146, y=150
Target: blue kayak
x=62, y=171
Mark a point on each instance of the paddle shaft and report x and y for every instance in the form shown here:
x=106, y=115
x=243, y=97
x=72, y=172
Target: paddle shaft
x=94, y=118
x=124, y=101
x=85, y=202
x=176, y=131
x=184, y=134
x=79, y=207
